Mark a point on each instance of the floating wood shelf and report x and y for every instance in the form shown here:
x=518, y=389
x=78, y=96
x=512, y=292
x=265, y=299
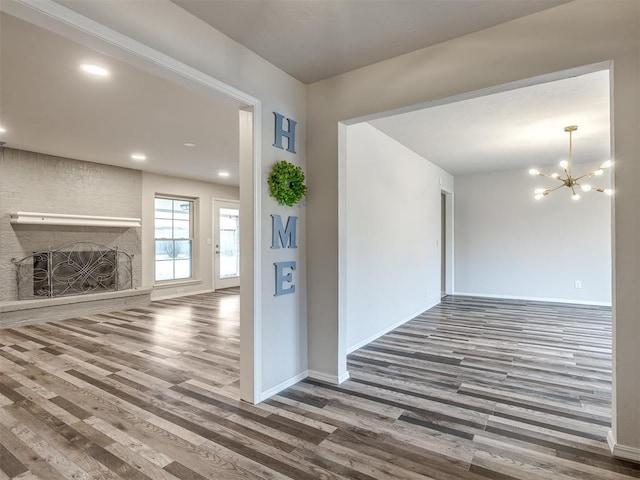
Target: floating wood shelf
x=35, y=218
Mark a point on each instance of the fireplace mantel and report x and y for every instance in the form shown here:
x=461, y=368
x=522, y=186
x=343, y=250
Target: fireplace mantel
x=36, y=218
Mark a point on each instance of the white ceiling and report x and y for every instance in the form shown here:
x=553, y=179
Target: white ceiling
x=47, y=105
x=316, y=39
x=517, y=129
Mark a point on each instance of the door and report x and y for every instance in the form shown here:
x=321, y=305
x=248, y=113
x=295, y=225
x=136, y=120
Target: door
x=226, y=243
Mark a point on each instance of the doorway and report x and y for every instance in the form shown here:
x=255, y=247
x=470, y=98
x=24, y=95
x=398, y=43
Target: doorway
x=245, y=116
x=226, y=244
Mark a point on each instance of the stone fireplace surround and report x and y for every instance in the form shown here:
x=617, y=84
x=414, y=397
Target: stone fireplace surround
x=72, y=189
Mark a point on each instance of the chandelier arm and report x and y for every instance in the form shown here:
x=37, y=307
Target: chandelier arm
x=554, y=189
x=588, y=174
x=542, y=174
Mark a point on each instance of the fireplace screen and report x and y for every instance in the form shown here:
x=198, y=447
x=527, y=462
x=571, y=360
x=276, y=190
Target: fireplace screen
x=74, y=269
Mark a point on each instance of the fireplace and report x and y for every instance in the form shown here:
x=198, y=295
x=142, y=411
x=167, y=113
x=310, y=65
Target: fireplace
x=74, y=269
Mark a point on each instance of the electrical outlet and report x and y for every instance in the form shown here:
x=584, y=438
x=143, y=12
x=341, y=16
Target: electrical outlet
x=578, y=284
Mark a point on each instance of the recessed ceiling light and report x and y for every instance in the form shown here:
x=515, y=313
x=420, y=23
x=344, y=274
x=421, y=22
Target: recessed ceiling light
x=223, y=174
x=189, y=144
x=94, y=70
x=3, y=130
x=138, y=156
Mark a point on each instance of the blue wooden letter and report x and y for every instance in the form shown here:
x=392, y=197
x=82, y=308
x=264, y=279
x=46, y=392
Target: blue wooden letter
x=285, y=236
x=281, y=278
x=290, y=133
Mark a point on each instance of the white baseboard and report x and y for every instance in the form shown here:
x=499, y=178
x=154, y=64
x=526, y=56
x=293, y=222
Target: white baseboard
x=176, y=295
x=282, y=385
x=534, y=299
x=373, y=337
x=332, y=379
x=622, y=451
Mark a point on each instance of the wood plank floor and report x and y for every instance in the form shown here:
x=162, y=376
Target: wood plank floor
x=472, y=389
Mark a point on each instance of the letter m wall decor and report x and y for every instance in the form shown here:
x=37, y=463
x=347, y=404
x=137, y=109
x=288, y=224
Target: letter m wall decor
x=284, y=236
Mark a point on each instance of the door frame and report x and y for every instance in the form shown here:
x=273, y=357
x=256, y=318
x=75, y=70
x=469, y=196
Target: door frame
x=449, y=241
x=214, y=256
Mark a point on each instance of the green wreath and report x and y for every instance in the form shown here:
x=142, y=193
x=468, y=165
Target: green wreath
x=286, y=183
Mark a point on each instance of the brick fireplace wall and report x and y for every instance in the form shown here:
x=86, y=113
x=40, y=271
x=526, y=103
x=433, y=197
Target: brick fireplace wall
x=35, y=182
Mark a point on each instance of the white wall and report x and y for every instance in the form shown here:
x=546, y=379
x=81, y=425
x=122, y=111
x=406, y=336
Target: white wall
x=393, y=233
x=280, y=340
x=203, y=193
x=574, y=34
x=508, y=244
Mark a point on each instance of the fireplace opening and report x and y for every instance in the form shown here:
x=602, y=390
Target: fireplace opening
x=75, y=269
x=74, y=272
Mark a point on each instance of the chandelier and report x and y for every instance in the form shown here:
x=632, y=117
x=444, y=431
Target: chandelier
x=567, y=179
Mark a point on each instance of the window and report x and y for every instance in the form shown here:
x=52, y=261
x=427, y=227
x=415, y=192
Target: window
x=173, y=238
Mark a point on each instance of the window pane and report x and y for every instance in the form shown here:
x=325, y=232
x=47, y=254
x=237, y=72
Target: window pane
x=181, y=229
x=164, y=208
x=164, y=270
x=164, y=250
x=164, y=228
x=183, y=268
x=232, y=212
x=181, y=209
x=182, y=249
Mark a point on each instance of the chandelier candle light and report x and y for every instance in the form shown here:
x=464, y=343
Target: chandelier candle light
x=567, y=179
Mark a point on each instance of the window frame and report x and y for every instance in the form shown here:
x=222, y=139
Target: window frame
x=192, y=236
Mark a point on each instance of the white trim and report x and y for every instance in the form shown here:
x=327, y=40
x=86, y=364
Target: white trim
x=251, y=258
x=343, y=270
x=534, y=299
x=64, y=21
x=176, y=283
x=332, y=379
x=386, y=330
x=257, y=253
x=177, y=295
x=622, y=451
x=282, y=385
x=37, y=218
x=611, y=441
